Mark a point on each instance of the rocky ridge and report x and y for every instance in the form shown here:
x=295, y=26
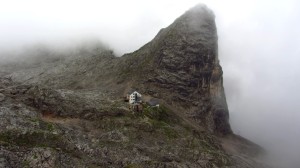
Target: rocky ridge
x=48, y=128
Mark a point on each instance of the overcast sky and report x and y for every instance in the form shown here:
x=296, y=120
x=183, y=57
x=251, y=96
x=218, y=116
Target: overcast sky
x=259, y=49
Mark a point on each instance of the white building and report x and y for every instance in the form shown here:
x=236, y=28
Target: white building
x=134, y=97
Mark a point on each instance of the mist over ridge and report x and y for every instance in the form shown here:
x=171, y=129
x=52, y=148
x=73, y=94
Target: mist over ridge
x=258, y=50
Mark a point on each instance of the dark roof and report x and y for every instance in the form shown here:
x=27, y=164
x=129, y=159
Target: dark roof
x=130, y=91
x=153, y=102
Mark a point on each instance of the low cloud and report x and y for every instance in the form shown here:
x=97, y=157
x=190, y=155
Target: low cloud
x=258, y=49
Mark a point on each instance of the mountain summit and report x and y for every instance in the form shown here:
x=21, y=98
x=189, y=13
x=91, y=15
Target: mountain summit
x=181, y=66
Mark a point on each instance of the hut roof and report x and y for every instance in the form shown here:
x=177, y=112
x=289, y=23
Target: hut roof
x=153, y=102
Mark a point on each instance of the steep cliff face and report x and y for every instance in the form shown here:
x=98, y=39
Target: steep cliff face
x=181, y=66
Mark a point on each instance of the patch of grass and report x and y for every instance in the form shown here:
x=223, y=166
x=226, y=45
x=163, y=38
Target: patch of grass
x=34, y=120
x=25, y=164
x=38, y=138
x=170, y=132
x=44, y=125
x=158, y=124
x=107, y=143
x=50, y=127
x=113, y=123
x=157, y=113
x=33, y=139
x=167, y=130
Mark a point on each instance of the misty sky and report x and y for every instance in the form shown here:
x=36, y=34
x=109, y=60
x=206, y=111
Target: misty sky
x=259, y=49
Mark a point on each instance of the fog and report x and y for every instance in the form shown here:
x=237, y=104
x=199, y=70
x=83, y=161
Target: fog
x=258, y=49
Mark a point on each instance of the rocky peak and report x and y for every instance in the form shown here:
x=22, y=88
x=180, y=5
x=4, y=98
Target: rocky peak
x=181, y=66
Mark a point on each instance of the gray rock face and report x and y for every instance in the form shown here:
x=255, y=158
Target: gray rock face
x=181, y=66
x=2, y=97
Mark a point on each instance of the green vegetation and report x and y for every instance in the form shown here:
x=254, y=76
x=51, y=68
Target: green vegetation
x=25, y=164
x=159, y=119
x=170, y=132
x=38, y=138
x=156, y=113
x=47, y=126
x=31, y=139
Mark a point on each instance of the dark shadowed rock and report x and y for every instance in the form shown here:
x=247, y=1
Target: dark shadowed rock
x=181, y=66
x=2, y=97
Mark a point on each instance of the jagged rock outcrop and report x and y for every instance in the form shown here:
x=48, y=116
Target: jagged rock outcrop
x=181, y=66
